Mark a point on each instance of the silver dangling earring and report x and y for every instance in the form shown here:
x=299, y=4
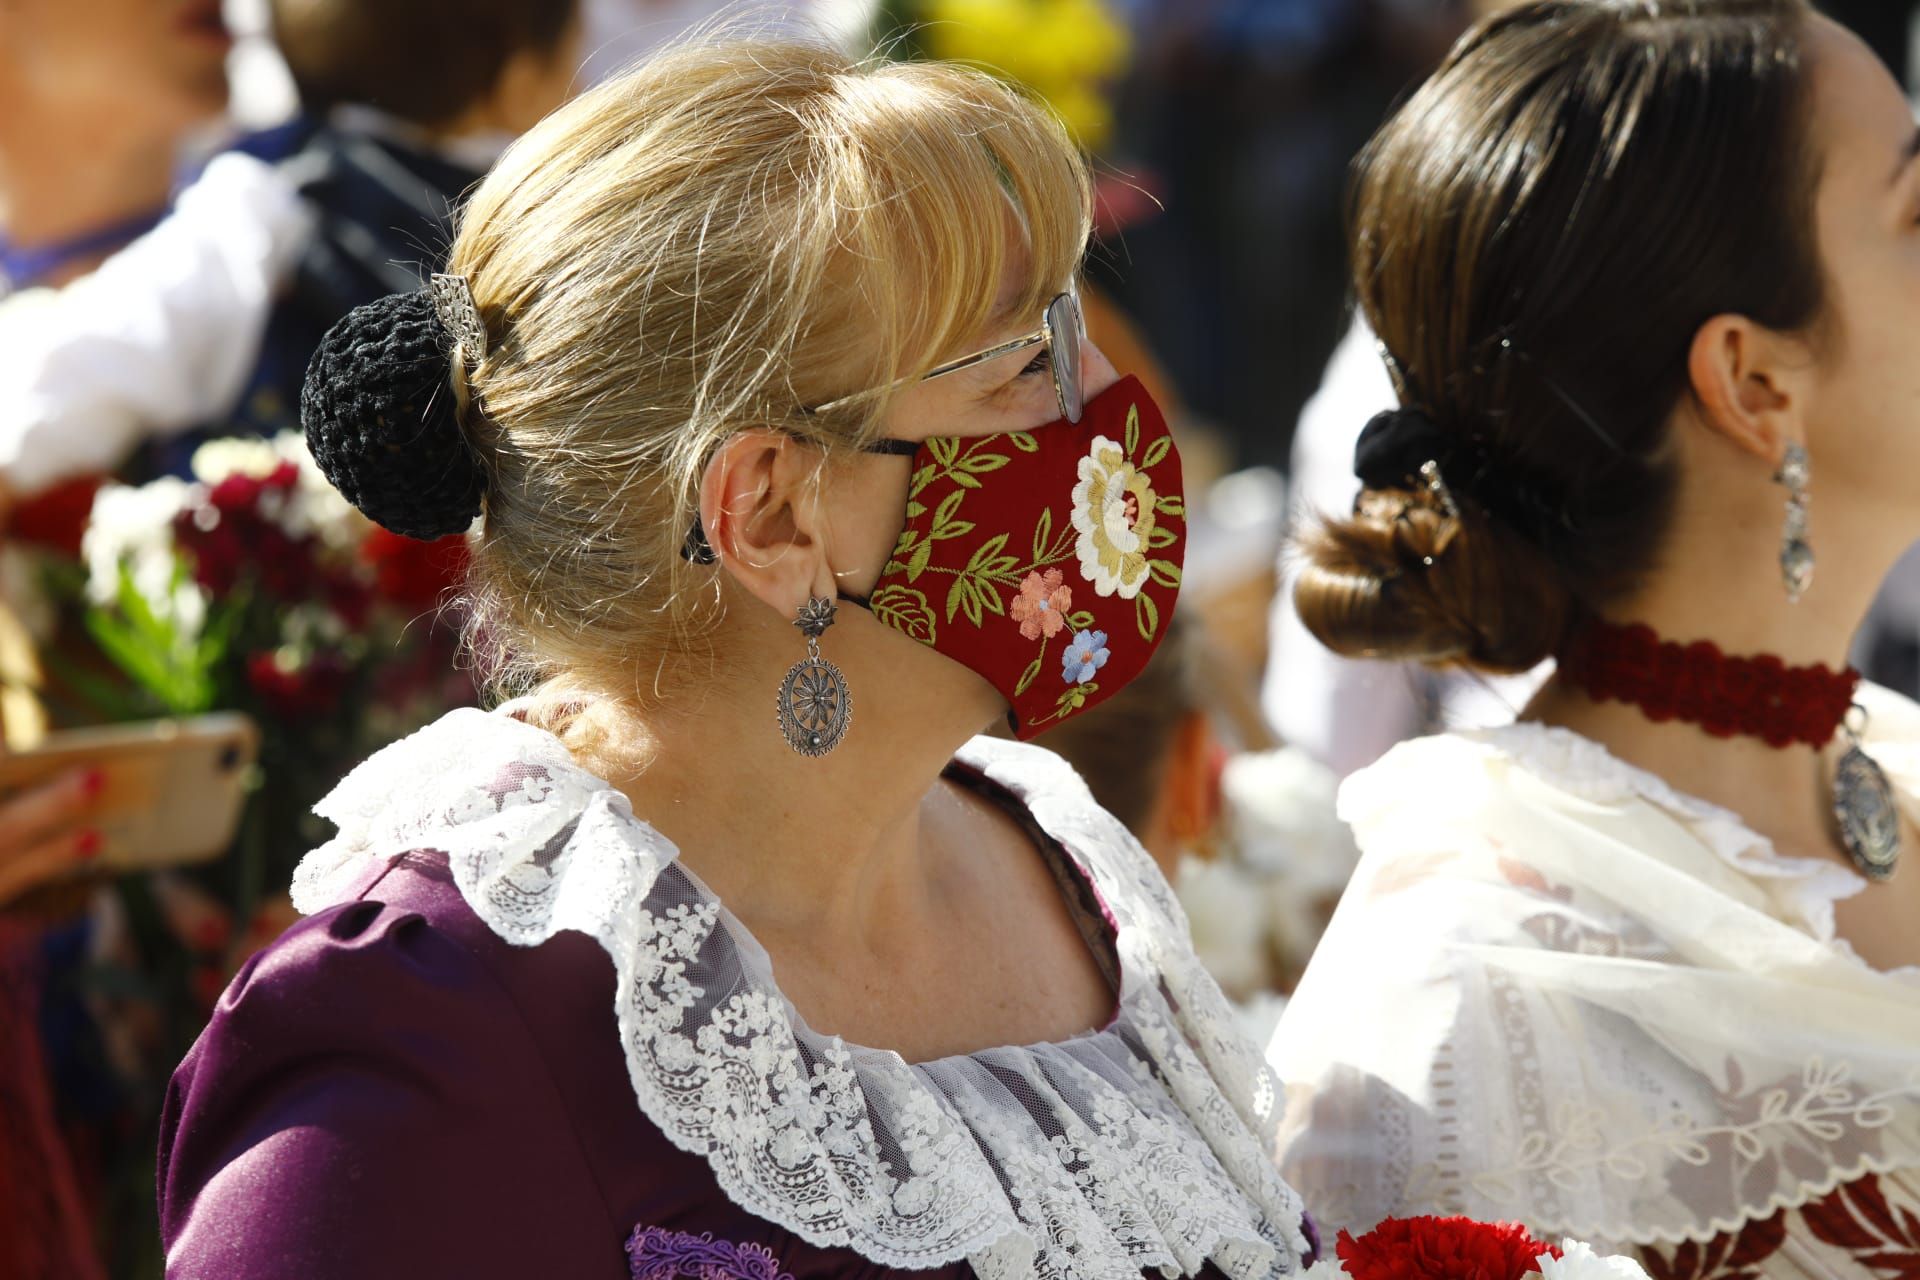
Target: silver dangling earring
x=1796, y=554
x=815, y=704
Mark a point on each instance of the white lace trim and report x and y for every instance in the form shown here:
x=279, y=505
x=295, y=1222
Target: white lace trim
x=1144, y=1146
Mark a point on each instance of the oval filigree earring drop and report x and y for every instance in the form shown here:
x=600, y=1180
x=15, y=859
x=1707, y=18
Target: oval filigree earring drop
x=1796, y=553
x=815, y=704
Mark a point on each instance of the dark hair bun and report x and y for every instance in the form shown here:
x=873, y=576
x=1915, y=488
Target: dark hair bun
x=382, y=422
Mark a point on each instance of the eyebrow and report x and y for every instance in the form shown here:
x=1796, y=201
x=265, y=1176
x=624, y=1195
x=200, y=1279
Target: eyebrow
x=1908, y=154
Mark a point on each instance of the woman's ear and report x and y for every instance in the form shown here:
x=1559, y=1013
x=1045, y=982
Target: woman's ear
x=1750, y=385
x=760, y=509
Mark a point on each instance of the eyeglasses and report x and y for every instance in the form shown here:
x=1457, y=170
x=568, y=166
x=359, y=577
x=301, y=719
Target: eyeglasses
x=1062, y=326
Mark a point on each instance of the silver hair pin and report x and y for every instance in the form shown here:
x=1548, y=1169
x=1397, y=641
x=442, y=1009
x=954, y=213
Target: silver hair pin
x=1437, y=486
x=453, y=303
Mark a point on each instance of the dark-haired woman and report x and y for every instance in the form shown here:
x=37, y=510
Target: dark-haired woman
x=1641, y=968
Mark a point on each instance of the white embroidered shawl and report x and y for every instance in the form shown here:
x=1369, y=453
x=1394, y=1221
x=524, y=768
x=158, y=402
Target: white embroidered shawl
x=1559, y=992
x=1143, y=1146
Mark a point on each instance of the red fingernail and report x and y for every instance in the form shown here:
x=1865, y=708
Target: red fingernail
x=92, y=783
x=86, y=846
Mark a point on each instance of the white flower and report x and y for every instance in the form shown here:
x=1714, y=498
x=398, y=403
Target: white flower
x=1580, y=1262
x=1113, y=510
x=134, y=527
x=215, y=460
x=1328, y=1268
x=1282, y=807
x=1227, y=937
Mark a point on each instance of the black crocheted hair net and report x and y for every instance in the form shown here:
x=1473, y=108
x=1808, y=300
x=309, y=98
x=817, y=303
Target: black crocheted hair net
x=381, y=421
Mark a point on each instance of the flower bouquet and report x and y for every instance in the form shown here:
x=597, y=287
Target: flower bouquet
x=1463, y=1249
x=255, y=587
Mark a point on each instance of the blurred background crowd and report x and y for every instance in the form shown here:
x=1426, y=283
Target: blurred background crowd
x=192, y=192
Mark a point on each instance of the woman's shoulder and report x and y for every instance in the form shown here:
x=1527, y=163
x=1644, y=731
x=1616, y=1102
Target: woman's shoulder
x=392, y=1080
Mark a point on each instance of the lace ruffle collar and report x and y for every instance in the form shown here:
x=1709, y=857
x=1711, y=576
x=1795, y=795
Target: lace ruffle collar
x=1145, y=1146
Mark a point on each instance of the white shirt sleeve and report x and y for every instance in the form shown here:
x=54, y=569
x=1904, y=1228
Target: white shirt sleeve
x=161, y=338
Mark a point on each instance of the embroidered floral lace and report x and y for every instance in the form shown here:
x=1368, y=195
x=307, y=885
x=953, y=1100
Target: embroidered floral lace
x=1141, y=1147
x=1561, y=992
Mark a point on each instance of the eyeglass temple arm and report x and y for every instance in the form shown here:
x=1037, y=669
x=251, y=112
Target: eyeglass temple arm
x=952, y=366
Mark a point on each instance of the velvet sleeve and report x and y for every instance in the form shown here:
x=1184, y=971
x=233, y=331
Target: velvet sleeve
x=368, y=1101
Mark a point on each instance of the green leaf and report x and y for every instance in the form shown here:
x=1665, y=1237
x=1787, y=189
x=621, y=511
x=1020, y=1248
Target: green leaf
x=981, y=463
x=964, y=597
x=1146, y=616
x=1024, y=442
x=945, y=449
x=1133, y=429
x=1174, y=506
x=986, y=551
x=1081, y=620
x=949, y=505
x=915, y=509
x=1042, y=534
x=1157, y=453
x=1002, y=569
x=921, y=479
x=1164, y=572
x=990, y=598
x=1159, y=537
x=918, y=564
x=905, y=542
x=905, y=610
x=964, y=480
x=1028, y=676
x=954, y=529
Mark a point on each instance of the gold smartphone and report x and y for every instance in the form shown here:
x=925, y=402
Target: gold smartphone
x=173, y=789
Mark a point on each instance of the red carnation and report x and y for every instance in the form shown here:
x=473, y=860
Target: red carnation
x=1441, y=1249
x=301, y=692
x=56, y=518
x=415, y=575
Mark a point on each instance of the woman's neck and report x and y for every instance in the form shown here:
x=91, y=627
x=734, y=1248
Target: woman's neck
x=808, y=846
x=61, y=179
x=1725, y=589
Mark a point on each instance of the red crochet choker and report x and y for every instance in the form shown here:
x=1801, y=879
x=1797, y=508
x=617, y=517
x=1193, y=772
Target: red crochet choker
x=1757, y=697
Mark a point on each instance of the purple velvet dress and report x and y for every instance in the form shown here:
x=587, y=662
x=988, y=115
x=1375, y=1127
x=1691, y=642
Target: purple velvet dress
x=392, y=1090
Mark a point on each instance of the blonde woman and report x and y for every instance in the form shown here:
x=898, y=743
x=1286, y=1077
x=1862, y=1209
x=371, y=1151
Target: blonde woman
x=765, y=373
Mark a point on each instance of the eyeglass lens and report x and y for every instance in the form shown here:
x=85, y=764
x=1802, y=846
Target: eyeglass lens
x=1063, y=346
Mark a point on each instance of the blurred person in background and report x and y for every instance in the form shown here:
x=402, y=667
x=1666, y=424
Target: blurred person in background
x=204, y=326
x=97, y=103
x=46, y=1226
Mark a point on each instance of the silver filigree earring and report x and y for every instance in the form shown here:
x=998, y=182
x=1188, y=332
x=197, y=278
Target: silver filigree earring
x=815, y=704
x=1796, y=554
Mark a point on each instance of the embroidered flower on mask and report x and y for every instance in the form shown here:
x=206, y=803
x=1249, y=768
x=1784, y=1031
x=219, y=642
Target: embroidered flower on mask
x=1086, y=654
x=1113, y=510
x=1041, y=607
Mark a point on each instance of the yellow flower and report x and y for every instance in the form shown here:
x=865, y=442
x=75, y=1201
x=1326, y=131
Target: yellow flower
x=1066, y=51
x=1113, y=510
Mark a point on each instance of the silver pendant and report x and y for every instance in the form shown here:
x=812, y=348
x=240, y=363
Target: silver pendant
x=815, y=704
x=1864, y=809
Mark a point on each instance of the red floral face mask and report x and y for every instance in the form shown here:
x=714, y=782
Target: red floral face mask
x=1047, y=561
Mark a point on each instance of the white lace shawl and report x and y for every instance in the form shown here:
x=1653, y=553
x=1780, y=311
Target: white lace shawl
x=1143, y=1146
x=1560, y=992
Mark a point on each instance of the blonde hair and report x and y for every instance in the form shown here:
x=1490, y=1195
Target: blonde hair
x=734, y=230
